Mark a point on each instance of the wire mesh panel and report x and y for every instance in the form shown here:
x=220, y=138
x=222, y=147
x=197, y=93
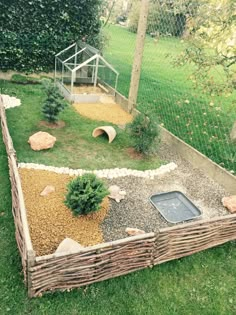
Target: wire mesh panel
x=106, y=75
x=188, y=70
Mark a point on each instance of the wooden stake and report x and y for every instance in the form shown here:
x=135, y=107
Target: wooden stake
x=137, y=64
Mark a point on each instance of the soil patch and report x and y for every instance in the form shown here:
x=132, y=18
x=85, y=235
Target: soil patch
x=112, y=113
x=133, y=154
x=50, y=221
x=59, y=124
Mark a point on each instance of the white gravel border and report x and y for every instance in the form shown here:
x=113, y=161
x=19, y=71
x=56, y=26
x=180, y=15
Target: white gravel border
x=10, y=101
x=104, y=173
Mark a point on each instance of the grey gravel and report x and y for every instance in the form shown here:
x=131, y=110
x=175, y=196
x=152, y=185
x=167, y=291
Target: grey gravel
x=136, y=211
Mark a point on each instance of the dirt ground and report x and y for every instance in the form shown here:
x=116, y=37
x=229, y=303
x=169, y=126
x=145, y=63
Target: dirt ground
x=50, y=220
x=112, y=113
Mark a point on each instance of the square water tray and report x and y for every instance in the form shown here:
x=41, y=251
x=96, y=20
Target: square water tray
x=175, y=207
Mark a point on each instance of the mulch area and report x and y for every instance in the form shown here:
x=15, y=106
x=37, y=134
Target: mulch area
x=50, y=221
x=58, y=125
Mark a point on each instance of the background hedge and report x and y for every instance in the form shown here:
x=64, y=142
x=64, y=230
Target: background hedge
x=32, y=32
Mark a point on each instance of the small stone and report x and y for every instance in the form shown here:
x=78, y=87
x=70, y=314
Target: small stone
x=230, y=203
x=68, y=245
x=10, y=102
x=41, y=141
x=116, y=193
x=134, y=231
x=47, y=190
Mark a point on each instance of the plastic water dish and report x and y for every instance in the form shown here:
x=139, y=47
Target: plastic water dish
x=175, y=207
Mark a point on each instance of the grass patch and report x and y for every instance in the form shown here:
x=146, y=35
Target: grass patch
x=22, y=79
x=75, y=146
x=201, y=120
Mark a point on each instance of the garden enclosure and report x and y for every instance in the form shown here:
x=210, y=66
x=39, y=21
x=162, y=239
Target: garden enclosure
x=66, y=271
x=81, y=64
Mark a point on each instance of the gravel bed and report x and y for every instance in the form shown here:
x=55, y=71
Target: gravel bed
x=136, y=211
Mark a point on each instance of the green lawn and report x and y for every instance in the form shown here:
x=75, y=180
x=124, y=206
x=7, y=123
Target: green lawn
x=75, y=146
x=201, y=120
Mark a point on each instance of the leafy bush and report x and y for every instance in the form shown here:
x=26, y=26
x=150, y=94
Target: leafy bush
x=85, y=194
x=54, y=103
x=145, y=133
x=33, y=31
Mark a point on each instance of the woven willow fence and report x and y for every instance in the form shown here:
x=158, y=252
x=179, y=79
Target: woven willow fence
x=18, y=207
x=104, y=261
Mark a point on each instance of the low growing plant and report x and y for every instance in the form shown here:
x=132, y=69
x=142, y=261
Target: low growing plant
x=54, y=103
x=145, y=134
x=85, y=194
x=22, y=79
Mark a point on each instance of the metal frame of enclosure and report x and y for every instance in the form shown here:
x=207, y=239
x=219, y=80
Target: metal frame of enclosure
x=81, y=64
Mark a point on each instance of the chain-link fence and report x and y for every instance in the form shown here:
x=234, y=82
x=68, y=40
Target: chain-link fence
x=188, y=72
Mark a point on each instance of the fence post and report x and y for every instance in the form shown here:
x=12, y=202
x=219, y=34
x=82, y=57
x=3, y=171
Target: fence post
x=30, y=257
x=137, y=64
x=96, y=71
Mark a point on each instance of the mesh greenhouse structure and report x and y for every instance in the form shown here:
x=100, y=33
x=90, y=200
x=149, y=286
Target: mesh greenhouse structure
x=82, y=64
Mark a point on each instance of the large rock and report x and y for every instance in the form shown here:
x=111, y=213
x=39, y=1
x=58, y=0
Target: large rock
x=134, y=232
x=41, y=141
x=47, y=190
x=233, y=133
x=230, y=203
x=116, y=193
x=68, y=245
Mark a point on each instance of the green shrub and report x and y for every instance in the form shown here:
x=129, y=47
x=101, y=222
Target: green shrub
x=32, y=32
x=145, y=134
x=54, y=103
x=85, y=194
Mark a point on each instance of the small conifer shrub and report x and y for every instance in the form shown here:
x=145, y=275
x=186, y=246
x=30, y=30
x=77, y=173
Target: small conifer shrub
x=85, y=194
x=54, y=103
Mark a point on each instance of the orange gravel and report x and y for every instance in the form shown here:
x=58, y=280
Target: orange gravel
x=50, y=221
x=112, y=113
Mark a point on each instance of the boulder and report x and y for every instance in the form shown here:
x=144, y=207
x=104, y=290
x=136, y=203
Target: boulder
x=233, y=133
x=134, y=232
x=41, y=141
x=116, y=193
x=230, y=203
x=47, y=190
x=68, y=245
